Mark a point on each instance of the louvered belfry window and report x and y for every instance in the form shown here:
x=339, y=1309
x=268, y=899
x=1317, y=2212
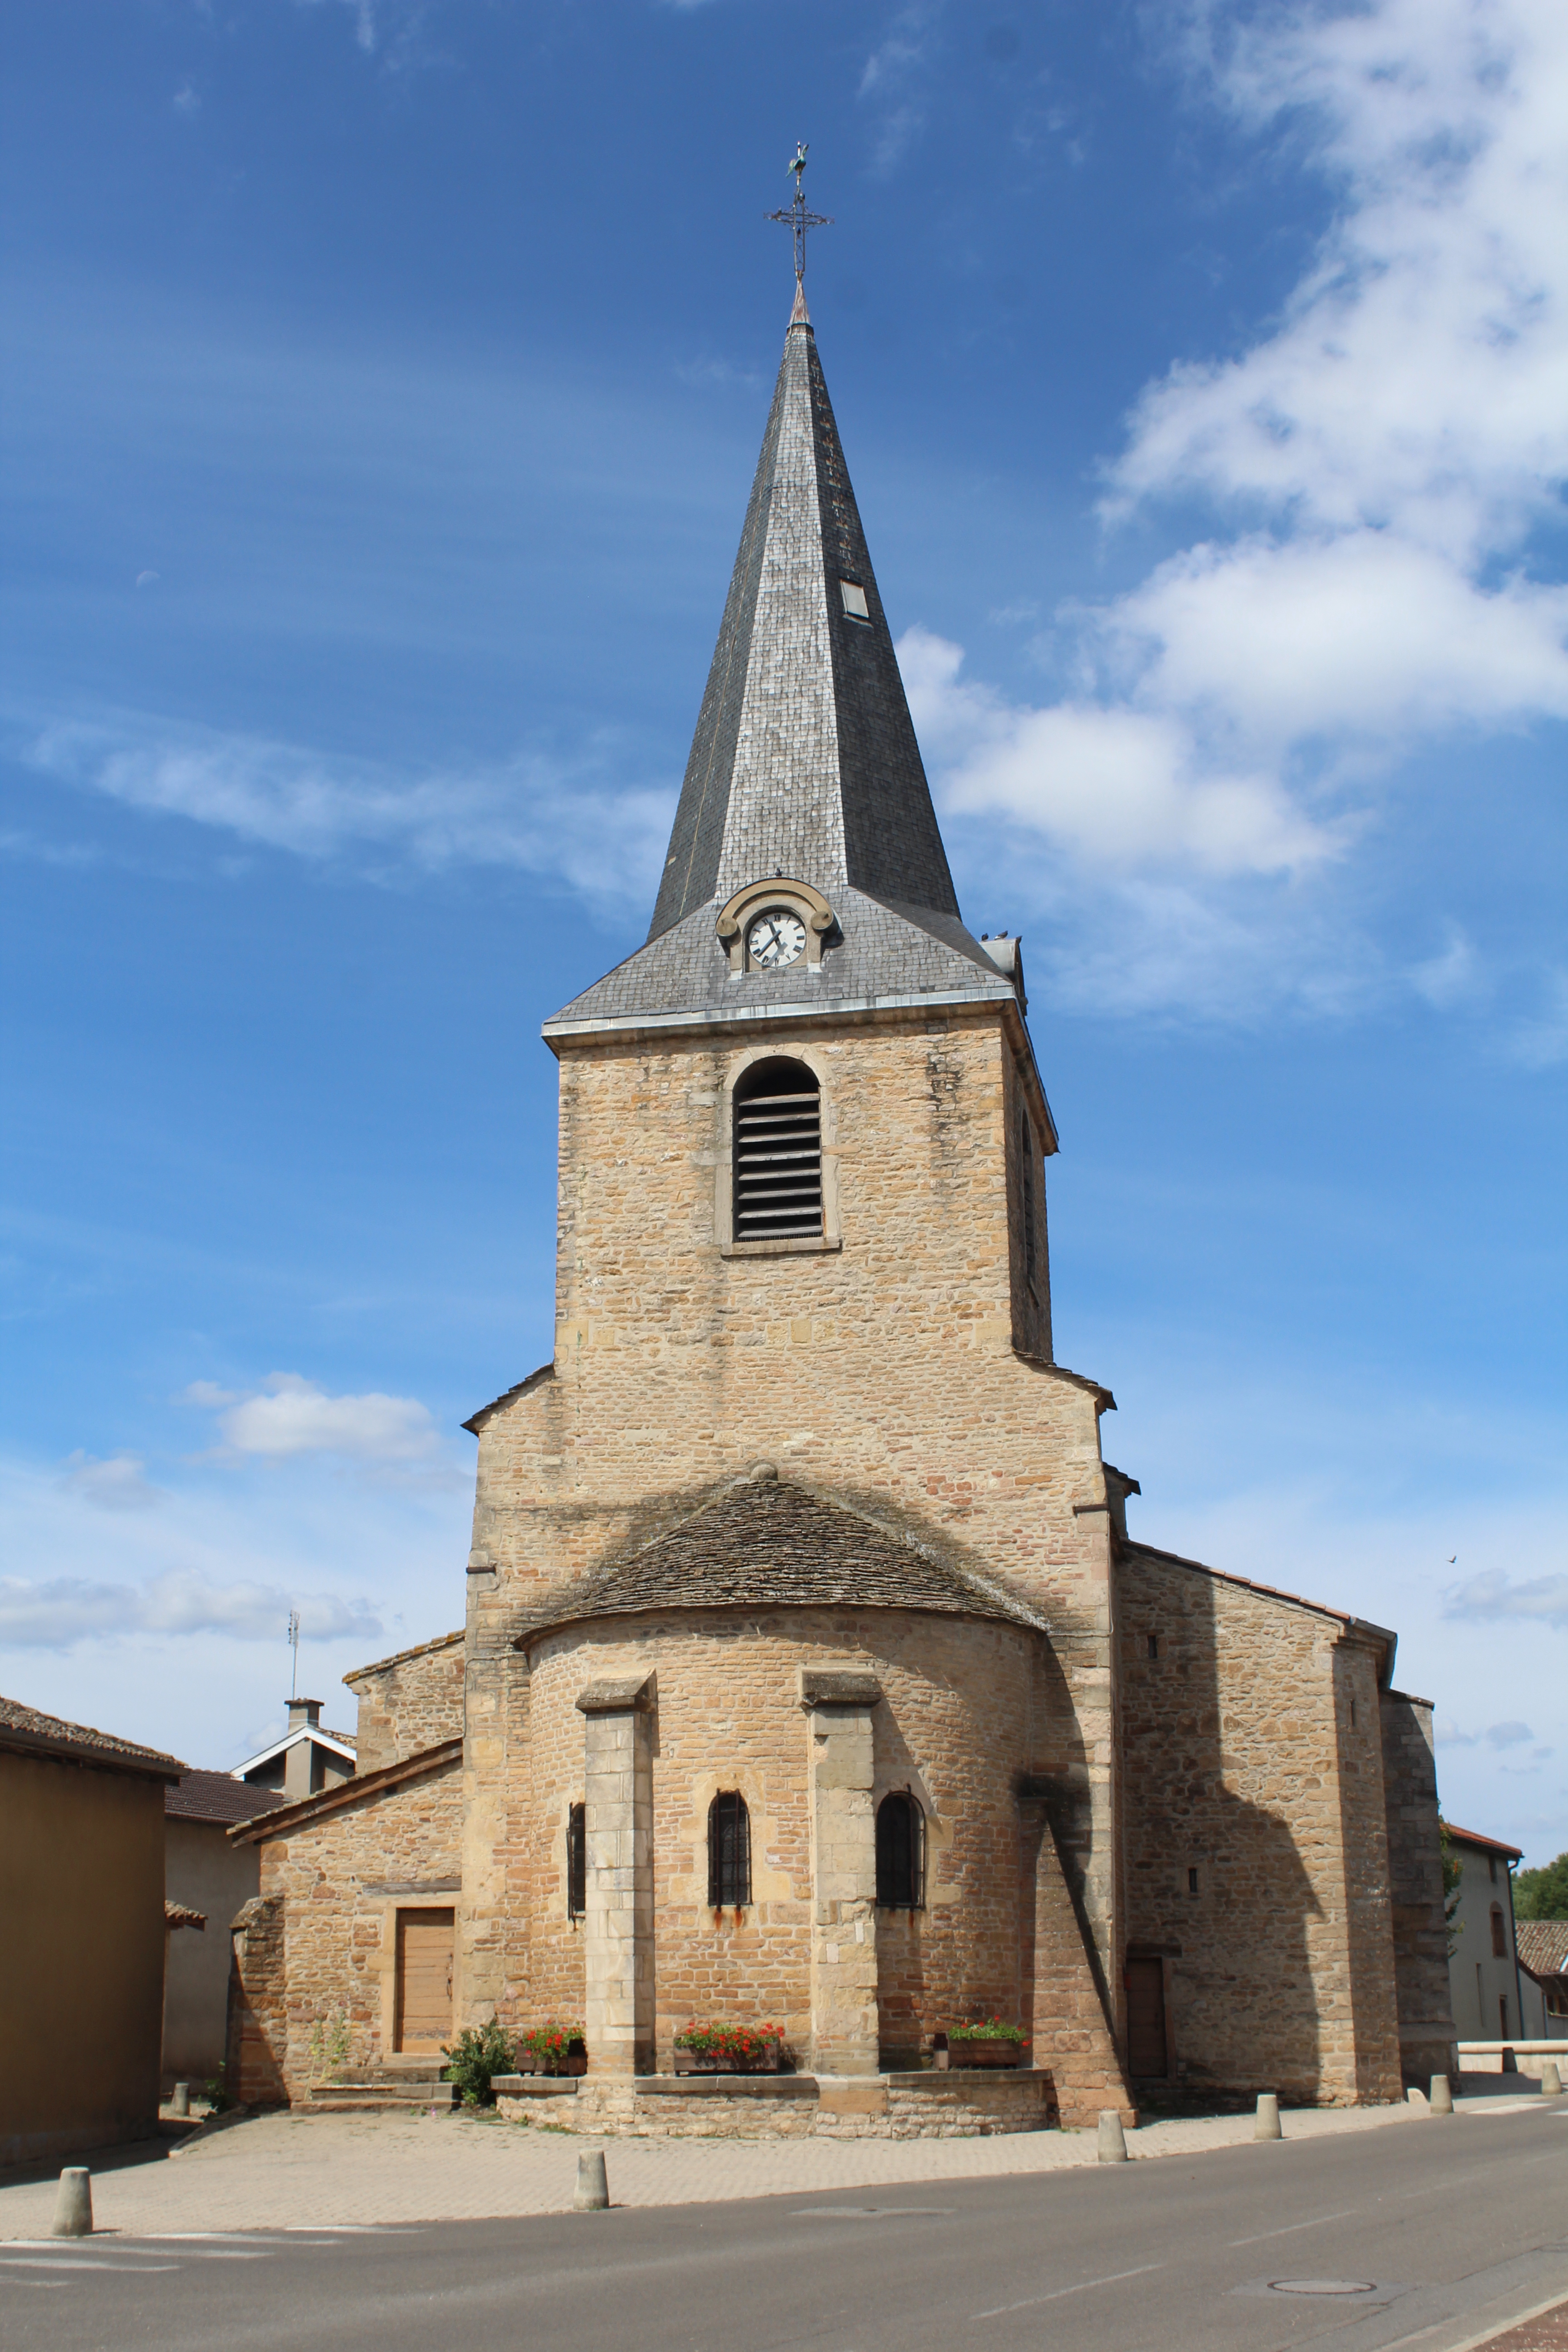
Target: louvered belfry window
x=728, y=1851
x=778, y=1153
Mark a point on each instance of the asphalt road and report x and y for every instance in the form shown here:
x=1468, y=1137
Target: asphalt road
x=1445, y=2229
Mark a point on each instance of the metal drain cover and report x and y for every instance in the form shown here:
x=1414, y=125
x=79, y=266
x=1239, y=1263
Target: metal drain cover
x=1323, y=2286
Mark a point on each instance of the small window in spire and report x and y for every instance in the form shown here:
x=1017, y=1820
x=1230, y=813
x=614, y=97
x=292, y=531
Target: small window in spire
x=855, y=604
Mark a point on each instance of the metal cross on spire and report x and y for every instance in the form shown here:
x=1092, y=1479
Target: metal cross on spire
x=797, y=218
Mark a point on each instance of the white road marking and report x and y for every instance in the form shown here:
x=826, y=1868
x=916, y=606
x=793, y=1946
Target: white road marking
x=1057, y=2294
x=1290, y=2226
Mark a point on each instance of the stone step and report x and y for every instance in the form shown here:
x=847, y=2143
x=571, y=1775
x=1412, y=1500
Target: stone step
x=404, y=2091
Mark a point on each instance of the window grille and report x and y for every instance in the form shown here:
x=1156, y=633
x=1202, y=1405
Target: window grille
x=577, y=1862
x=728, y=1851
x=778, y=1154
x=1027, y=1181
x=900, y=1853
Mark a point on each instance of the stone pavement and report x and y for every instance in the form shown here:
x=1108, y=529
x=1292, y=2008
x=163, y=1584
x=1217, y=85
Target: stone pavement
x=281, y=2171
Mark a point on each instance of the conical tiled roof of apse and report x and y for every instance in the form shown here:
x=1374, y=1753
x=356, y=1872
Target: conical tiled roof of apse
x=803, y=764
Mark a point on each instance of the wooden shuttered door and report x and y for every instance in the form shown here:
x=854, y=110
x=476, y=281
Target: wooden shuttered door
x=1146, y=2019
x=425, y=1947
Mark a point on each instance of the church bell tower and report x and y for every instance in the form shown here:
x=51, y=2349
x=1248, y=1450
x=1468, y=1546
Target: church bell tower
x=803, y=1415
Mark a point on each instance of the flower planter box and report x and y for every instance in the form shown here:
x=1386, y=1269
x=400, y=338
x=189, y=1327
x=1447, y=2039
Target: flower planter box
x=950, y=2053
x=575, y=2061
x=704, y=2062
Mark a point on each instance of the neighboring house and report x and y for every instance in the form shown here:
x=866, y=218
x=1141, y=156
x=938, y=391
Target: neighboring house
x=1483, y=1971
x=81, y=1954
x=307, y=1760
x=1542, y=1946
x=206, y=1880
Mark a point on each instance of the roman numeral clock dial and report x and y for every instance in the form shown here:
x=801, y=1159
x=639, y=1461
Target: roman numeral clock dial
x=775, y=938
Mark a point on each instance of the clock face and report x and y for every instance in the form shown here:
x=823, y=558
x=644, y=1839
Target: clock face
x=775, y=938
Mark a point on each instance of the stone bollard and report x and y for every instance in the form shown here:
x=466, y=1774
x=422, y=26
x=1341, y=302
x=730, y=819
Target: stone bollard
x=73, y=2203
x=180, y=2099
x=1550, y=2080
x=1112, y=2139
x=1441, y=2102
x=1267, y=2124
x=593, y=2185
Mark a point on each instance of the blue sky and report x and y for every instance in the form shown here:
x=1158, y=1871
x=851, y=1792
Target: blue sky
x=387, y=383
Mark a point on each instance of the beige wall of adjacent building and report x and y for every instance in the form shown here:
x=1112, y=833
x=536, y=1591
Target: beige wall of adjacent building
x=81, y=1955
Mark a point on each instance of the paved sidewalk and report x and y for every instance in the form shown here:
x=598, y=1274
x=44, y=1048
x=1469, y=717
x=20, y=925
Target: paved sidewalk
x=293, y=2172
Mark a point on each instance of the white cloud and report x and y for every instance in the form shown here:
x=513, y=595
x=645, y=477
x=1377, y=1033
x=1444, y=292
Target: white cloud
x=290, y=1415
x=893, y=80
x=116, y=1485
x=1376, y=476
x=604, y=842
x=1541, y=1041
x=58, y=1613
x=1125, y=788
x=1493, y=1594
x=1447, y=978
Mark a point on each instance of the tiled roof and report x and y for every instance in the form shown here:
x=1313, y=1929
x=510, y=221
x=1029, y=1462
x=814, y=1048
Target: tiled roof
x=399, y=1658
x=1543, y=1946
x=180, y=1915
x=216, y=1797
x=1488, y=1845
x=765, y=1543
x=25, y=1728
x=362, y=1788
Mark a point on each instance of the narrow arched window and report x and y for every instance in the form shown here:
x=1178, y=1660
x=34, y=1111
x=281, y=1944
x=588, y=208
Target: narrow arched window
x=1500, y=1939
x=1027, y=1188
x=778, y=1153
x=729, y=1850
x=577, y=1862
x=900, y=1853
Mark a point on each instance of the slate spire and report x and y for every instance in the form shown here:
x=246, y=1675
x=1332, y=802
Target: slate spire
x=805, y=761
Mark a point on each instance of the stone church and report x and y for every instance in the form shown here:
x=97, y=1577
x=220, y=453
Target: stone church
x=810, y=1671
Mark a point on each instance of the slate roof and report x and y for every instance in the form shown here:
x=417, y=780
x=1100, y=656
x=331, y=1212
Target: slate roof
x=765, y=1543
x=216, y=1797
x=803, y=764
x=25, y=1728
x=1541, y=1945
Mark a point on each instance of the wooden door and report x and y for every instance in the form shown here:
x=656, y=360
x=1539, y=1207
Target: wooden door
x=1146, y=2019
x=424, y=1944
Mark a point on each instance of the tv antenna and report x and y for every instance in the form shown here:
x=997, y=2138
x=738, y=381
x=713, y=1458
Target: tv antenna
x=294, y=1646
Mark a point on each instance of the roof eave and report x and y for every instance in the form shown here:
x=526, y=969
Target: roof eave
x=151, y=1765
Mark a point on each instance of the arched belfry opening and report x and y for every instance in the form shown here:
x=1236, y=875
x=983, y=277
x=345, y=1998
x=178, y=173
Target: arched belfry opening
x=778, y=1153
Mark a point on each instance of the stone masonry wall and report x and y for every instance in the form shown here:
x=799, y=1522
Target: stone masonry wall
x=882, y=1372
x=1245, y=1766
x=1427, y=2029
x=409, y=1703
x=339, y=1882
x=953, y=1726
x=899, y=2106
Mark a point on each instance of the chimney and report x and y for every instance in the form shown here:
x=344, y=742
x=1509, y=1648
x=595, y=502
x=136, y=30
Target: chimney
x=299, y=1763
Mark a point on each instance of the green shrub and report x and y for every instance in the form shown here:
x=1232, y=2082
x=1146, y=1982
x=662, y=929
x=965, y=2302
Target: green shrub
x=986, y=2029
x=478, y=2054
